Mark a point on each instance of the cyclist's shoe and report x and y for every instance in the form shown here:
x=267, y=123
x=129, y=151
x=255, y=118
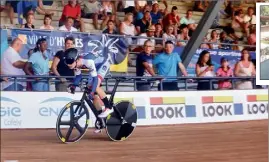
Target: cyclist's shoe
x=106, y=112
x=97, y=131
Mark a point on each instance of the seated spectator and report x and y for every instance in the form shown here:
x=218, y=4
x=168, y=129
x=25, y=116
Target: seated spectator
x=204, y=68
x=144, y=66
x=73, y=10
x=244, y=68
x=29, y=21
x=249, y=19
x=188, y=21
x=90, y=8
x=44, y=11
x=39, y=63
x=12, y=64
x=252, y=39
x=156, y=14
x=47, y=23
x=149, y=34
x=143, y=24
x=168, y=35
x=224, y=39
x=59, y=68
x=171, y=19
x=68, y=26
x=214, y=42
x=11, y=8
x=141, y=12
x=224, y=71
x=127, y=27
x=129, y=6
x=110, y=28
x=200, y=6
x=183, y=35
x=106, y=13
x=167, y=64
x=231, y=7
x=159, y=33
x=204, y=45
x=238, y=21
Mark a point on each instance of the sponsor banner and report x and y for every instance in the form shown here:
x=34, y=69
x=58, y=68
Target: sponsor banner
x=232, y=55
x=19, y=110
x=103, y=46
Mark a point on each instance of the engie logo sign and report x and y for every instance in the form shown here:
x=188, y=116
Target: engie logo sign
x=10, y=113
x=257, y=104
x=216, y=106
x=170, y=107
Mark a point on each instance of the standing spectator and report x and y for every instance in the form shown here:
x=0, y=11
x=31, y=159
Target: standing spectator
x=144, y=66
x=214, y=42
x=149, y=34
x=12, y=64
x=204, y=68
x=244, y=68
x=127, y=28
x=188, y=21
x=72, y=9
x=224, y=71
x=110, y=28
x=183, y=35
x=167, y=64
x=155, y=14
x=250, y=19
x=39, y=63
x=68, y=26
x=143, y=24
x=168, y=35
x=59, y=68
x=47, y=23
x=29, y=21
x=171, y=19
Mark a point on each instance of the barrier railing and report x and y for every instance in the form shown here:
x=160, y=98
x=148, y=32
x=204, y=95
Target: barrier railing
x=185, y=81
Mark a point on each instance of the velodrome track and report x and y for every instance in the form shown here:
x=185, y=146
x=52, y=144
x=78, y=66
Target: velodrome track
x=228, y=142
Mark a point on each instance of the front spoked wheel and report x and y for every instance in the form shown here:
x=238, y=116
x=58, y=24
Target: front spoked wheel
x=120, y=129
x=72, y=122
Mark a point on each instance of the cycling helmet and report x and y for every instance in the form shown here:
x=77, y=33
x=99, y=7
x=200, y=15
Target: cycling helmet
x=70, y=56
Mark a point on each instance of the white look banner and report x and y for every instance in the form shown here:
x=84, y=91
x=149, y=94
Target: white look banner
x=40, y=109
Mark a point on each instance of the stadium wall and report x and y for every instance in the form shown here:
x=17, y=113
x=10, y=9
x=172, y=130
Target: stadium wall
x=40, y=109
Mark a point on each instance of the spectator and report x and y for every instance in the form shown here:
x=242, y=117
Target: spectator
x=68, y=26
x=188, y=21
x=59, y=68
x=171, y=18
x=224, y=71
x=238, y=21
x=90, y=8
x=11, y=8
x=29, y=21
x=183, y=35
x=149, y=34
x=12, y=64
x=168, y=35
x=127, y=28
x=43, y=11
x=204, y=68
x=106, y=12
x=29, y=86
x=249, y=19
x=47, y=23
x=73, y=10
x=129, y=6
x=143, y=24
x=110, y=28
x=204, y=45
x=39, y=63
x=214, y=40
x=244, y=68
x=144, y=66
x=224, y=39
x=200, y=6
x=167, y=64
x=158, y=33
x=231, y=7
x=156, y=14
x=252, y=39
x=141, y=12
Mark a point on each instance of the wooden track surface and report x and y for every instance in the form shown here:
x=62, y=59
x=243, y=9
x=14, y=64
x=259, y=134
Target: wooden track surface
x=219, y=142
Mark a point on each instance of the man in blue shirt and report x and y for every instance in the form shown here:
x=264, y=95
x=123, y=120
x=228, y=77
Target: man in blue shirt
x=38, y=64
x=167, y=64
x=144, y=66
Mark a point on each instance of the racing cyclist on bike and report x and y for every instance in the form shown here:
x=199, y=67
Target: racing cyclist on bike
x=73, y=61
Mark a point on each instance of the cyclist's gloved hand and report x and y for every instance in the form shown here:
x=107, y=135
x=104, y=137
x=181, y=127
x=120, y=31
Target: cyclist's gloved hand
x=71, y=88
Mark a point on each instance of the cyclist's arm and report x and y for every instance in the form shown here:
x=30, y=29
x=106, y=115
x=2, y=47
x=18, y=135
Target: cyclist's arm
x=92, y=74
x=78, y=77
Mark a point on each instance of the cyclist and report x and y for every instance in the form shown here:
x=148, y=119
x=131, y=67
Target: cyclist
x=73, y=61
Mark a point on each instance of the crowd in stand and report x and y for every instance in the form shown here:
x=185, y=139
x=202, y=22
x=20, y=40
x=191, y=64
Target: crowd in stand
x=142, y=18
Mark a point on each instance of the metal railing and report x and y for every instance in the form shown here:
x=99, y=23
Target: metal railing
x=184, y=82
